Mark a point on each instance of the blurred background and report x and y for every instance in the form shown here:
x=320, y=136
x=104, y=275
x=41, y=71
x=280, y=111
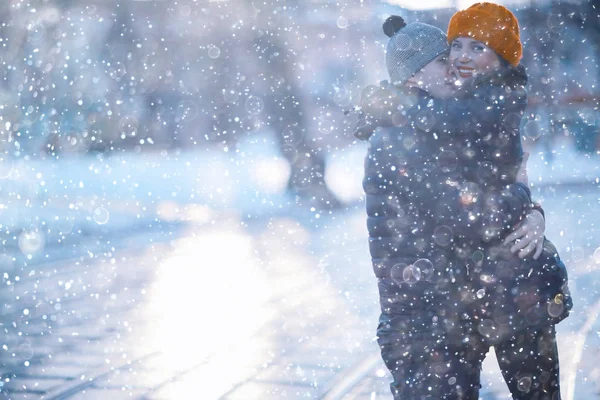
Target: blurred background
x=107, y=77
x=181, y=198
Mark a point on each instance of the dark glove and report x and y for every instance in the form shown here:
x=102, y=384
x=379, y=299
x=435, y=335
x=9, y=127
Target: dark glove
x=379, y=107
x=365, y=126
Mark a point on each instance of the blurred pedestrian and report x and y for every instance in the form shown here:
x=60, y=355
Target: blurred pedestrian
x=286, y=115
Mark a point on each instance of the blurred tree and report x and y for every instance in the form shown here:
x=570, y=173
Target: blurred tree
x=588, y=18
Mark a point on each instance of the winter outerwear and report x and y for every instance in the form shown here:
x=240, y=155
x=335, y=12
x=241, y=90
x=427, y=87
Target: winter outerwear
x=425, y=367
x=480, y=125
x=524, y=292
x=441, y=194
x=451, y=171
x=419, y=208
x=411, y=47
x=491, y=24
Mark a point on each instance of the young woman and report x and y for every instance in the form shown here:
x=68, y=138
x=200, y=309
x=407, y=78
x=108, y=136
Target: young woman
x=527, y=296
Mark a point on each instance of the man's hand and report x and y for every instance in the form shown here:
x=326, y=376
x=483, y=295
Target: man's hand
x=365, y=126
x=528, y=236
x=380, y=102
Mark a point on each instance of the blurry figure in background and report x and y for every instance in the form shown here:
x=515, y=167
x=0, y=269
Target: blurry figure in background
x=286, y=116
x=442, y=195
x=261, y=93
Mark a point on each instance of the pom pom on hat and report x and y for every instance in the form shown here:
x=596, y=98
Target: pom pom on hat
x=393, y=24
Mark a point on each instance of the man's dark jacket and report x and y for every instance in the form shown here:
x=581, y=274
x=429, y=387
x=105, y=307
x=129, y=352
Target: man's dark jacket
x=441, y=194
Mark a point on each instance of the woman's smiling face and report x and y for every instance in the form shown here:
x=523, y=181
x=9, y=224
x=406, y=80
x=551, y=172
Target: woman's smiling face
x=469, y=57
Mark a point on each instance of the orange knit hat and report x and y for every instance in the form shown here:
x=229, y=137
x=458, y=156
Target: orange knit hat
x=491, y=24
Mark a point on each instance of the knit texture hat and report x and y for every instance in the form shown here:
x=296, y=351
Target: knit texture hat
x=492, y=24
x=411, y=47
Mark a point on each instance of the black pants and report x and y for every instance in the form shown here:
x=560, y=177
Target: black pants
x=434, y=363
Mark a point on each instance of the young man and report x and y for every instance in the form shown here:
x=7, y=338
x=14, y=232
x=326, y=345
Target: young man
x=417, y=60
x=433, y=331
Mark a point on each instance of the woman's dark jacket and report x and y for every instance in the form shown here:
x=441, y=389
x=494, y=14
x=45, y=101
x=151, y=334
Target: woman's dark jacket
x=441, y=193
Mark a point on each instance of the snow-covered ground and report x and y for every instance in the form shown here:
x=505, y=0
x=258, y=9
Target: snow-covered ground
x=45, y=203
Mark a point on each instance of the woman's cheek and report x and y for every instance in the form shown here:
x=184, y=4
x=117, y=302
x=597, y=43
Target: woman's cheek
x=452, y=57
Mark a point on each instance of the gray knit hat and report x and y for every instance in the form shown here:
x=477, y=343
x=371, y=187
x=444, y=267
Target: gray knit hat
x=411, y=47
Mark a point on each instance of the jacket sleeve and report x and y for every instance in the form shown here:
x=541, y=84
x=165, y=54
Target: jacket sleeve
x=491, y=114
x=491, y=100
x=472, y=212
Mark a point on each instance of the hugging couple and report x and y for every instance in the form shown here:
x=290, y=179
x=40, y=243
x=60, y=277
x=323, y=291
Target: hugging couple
x=457, y=245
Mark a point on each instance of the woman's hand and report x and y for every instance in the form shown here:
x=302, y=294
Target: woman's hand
x=528, y=235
